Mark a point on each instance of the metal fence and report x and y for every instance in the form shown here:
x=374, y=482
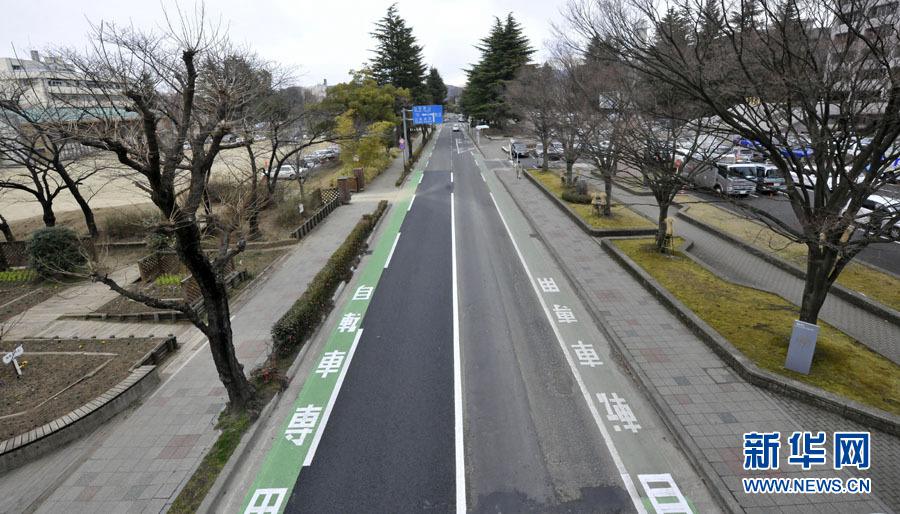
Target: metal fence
x=331, y=199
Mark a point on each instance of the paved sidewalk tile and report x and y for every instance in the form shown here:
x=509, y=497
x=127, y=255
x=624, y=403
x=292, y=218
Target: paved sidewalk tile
x=141, y=459
x=711, y=402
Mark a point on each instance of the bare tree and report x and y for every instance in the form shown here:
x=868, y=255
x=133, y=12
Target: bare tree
x=804, y=83
x=575, y=112
x=530, y=95
x=181, y=85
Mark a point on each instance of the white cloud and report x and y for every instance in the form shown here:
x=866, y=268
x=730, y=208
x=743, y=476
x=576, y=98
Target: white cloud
x=322, y=39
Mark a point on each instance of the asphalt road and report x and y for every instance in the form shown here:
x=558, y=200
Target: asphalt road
x=389, y=445
x=512, y=425
x=530, y=443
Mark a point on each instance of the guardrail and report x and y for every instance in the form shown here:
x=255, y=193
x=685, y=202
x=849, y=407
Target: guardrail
x=316, y=218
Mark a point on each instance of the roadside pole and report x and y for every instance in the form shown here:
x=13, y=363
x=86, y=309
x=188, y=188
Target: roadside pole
x=406, y=133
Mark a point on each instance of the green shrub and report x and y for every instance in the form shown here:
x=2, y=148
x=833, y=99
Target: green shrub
x=290, y=332
x=17, y=275
x=130, y=223
x=168, y=279
x=55, y=251
x=572, y=196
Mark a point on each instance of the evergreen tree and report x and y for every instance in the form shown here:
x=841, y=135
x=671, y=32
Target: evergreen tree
x=435, y=87
x=747, y=18
x=503, y=52
x=398, y=57
x=710, y=21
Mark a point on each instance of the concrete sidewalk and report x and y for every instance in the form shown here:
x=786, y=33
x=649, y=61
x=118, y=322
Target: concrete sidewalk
x=710, y=404
x=139, y=461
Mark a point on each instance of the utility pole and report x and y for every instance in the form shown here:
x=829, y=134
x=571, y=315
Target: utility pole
x=406, y=133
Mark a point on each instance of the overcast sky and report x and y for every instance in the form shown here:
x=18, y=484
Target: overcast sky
x=321, y=39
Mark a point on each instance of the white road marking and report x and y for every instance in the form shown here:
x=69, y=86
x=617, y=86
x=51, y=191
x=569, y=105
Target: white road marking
x=669, y=490
x=482, y=177
x=451, y=177
x=617, y=459
x=393, y=247
x=411, y=202
x=420, y=178
x=334, y=394
x=457, y=379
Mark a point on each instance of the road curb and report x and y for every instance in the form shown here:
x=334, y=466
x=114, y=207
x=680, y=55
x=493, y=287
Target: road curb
x=719, y=490
x=857, y=299
x=747, y=369
x=587, y=229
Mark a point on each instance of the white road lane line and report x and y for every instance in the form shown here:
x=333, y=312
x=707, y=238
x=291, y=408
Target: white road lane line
x=393, y=247
x=482, y=177
x=334, y=394
x=620, y=465
x=411, y=202
x=457, y=378
x=451, y=177
x=420, y=178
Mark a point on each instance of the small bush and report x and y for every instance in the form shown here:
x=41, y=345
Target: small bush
x=17, y=275
x=225, y=191
x=168, y=279
x=573, y=196
x=55, y=251
x=581, y=186
x=290, y=332
x=287, y=214
x=130, y=223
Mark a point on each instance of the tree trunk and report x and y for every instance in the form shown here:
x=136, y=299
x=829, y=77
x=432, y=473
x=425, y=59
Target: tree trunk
x=7, y=231
x=49, y=217
x=72, y=186
x=661, y=227
x=545, y=160
x=569, y=166
x=607, y=187
x=241, y=393
x=819, y=264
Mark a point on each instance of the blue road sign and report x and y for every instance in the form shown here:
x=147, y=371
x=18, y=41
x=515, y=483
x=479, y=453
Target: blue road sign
x=427, y=114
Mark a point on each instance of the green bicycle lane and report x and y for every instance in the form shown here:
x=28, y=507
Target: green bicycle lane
x=303, y=429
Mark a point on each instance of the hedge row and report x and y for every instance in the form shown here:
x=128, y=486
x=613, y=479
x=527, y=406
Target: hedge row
x=291, y=331
x=407, y=169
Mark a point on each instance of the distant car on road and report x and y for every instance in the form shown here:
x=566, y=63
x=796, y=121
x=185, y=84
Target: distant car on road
x=555, y=151
x=455, y=127
x=883, y=210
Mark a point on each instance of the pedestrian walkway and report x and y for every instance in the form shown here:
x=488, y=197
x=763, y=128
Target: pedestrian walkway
x=139, y=461
x=712, y=404
x=738, y=265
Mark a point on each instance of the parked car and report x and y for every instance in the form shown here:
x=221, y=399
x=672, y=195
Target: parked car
x=724, y=177
x=769, y=179
x=455, y=127
x=882, y=210
x=555, y=151
x=517, y=149
x=287, y=171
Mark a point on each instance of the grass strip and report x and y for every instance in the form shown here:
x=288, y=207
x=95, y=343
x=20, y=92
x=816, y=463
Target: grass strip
x=858, y=277
x=759, y=324
x=621, y=218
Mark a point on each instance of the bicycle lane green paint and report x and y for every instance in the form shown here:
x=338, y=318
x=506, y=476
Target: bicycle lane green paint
x=301, y=432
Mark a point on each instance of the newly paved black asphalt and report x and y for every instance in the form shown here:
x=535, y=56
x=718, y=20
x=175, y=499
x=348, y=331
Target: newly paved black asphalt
x=530, y=445
x=388, y=446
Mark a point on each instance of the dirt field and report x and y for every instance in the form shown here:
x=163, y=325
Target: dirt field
x=54, y=383
x=114, y=185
